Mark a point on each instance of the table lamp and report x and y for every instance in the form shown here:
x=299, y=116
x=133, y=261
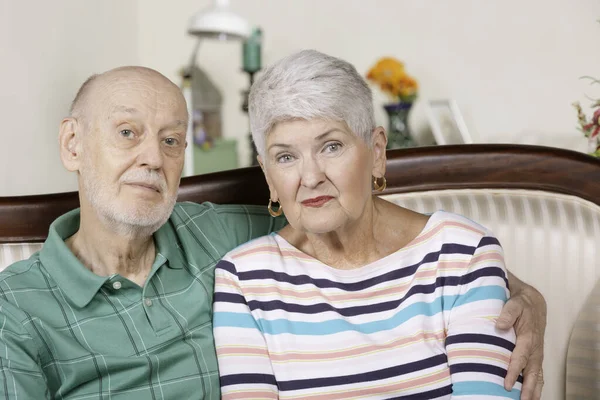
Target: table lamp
x=214, y=22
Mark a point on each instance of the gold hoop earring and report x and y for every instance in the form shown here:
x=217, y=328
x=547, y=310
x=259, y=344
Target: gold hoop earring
x=376, y=186
x=272, y=212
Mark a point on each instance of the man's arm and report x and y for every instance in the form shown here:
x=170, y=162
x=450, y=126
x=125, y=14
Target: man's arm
x=21, y=376
x=526, y=312
x=246, y=222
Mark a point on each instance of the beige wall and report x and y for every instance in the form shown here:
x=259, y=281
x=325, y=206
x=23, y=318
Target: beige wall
x=47, y=48
x=512, y=65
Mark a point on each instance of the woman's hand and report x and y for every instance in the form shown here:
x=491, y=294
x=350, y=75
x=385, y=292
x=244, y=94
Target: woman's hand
x=526, y=312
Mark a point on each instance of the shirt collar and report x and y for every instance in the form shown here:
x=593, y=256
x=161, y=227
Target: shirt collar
x=79, y=284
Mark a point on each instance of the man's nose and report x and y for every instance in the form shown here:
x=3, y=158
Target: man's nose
x=312, y=173
x=151, y=155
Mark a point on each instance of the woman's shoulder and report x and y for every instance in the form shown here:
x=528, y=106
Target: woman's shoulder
x=447, y=224
x=260, y=248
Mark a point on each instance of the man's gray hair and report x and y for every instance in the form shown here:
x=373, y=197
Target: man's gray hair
x=310, y=85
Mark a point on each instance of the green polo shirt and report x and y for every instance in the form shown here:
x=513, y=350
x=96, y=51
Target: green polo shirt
x=68, y=333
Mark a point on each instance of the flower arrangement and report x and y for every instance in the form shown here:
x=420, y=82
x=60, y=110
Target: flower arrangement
x=591, y=128
x=392, y=79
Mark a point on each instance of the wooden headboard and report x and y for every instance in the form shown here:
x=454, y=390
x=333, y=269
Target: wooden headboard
x=27, y=218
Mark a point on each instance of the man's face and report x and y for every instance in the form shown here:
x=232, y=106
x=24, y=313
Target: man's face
x=133, y=149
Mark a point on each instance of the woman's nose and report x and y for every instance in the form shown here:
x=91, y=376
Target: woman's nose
x=312, y=173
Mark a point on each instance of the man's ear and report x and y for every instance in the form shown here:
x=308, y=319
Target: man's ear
x=69, y=139
x=379, y=143
x=272, y=192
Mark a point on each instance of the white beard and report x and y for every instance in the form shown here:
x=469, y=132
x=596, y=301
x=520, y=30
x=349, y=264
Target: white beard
x=127, y=219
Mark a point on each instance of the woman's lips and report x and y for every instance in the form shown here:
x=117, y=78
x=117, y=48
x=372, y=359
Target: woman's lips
x=316, y=201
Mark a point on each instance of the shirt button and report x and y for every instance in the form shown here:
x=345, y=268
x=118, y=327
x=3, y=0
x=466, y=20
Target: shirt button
x=148, y=302
x=117, y=285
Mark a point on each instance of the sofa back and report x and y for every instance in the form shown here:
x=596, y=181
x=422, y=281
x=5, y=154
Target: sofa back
x=542, y=203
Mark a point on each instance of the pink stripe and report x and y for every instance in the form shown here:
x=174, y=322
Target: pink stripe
x=241, y=351
x=272, y=249
x=435, y=230
x=479, y=353
x=493, y=256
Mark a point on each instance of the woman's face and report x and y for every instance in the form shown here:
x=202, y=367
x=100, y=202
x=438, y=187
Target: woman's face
x=321, y=173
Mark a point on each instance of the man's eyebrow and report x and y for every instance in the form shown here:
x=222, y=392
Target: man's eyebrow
x=176, y=124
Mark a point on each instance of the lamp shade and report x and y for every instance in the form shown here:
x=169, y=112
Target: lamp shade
x=219, y=22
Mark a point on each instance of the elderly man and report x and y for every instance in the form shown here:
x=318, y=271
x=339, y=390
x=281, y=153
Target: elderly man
x=117, y=304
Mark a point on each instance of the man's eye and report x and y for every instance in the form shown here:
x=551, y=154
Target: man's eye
x=127, y=133
x=171, y=142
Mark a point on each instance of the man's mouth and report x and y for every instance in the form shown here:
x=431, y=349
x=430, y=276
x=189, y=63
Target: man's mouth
x=145, y=185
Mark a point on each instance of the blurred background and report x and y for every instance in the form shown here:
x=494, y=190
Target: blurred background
x=513, y=68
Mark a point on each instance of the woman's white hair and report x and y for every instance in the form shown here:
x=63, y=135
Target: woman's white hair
x=310, y=85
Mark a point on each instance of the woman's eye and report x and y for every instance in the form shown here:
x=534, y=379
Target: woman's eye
x=127, y=133
x=285, y=158
x=333, y=147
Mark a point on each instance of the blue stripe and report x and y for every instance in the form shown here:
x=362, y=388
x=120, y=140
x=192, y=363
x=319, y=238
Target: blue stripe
x=480, y=293
x=483, y=388
x=281, y=326
x=236, y=320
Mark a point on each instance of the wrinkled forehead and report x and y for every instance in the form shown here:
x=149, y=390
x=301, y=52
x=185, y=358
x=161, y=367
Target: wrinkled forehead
x=146, y=95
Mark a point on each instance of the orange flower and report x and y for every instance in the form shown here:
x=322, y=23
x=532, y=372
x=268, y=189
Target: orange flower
x=392, y=79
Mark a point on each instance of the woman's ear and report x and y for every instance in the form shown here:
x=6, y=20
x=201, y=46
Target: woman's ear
x=379, y=143
x=69, y=139
x=273, y=193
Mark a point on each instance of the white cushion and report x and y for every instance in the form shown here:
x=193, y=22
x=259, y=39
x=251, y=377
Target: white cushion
x=11, y=253
x=550, y=240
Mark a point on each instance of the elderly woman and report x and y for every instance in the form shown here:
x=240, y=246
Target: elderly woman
x=356, y=297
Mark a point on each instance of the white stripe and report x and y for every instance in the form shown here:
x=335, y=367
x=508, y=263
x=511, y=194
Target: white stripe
x=158, y=376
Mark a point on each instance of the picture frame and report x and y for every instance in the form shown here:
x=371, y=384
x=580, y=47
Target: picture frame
x=447, y=123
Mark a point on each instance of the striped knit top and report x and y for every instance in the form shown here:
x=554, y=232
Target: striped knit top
x=416, y=324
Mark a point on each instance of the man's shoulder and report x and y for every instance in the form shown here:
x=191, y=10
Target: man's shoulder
x=185, y=211
x=20, y=278
x=22, y=272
